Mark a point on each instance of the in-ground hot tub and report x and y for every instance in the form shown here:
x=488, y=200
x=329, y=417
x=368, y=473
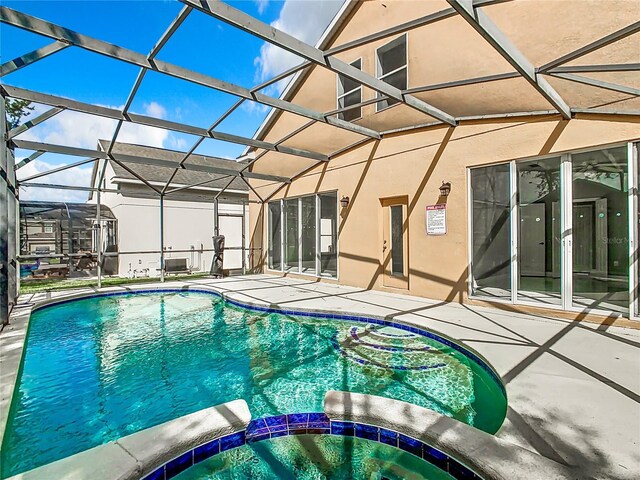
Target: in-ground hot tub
x=100, y=368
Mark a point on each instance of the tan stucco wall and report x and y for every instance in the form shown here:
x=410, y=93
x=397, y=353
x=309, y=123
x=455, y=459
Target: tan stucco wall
x=415, y=164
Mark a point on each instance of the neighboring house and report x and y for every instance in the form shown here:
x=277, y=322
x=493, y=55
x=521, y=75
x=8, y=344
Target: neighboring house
x=188, y=213
x=541, y=207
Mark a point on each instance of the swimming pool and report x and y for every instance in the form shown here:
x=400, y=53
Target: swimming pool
x=99, y=368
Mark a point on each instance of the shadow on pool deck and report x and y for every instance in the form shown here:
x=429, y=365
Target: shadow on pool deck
x=573, y=388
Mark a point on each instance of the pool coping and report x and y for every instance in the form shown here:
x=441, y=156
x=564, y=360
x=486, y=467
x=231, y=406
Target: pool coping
x=139, y=454
x=489, y=457
x=164, y=451
x=11, y=356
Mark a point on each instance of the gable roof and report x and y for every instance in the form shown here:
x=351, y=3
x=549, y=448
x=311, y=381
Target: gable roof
x=154, y=173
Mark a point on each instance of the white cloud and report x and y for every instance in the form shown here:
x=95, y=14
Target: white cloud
x=80, y=130
x=305, y=20
x=262, y=5
x=154, y=109
x=77, y=176
x=76, y=129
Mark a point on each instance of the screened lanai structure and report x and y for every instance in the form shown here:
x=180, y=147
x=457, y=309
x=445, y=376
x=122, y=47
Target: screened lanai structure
x=473, y=151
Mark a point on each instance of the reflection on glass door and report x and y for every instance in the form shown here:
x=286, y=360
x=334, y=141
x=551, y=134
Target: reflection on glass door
x=491, y=232
x=274, y=251
x=308, y=250
x=600, y=230
x=539, y=227
x=291, y=241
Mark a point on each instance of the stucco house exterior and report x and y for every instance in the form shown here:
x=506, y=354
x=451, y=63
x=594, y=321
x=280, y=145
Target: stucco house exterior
x=188, y=212
x=539, y=211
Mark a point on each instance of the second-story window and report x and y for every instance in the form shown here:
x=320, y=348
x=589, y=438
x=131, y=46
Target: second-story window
x=391, y=67
x=350, y=93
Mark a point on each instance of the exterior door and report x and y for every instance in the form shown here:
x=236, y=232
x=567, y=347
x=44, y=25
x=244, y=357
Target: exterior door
x=395, y=243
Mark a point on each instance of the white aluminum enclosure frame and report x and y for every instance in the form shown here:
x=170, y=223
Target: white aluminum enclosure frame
x=470, y=10
x=566, y=243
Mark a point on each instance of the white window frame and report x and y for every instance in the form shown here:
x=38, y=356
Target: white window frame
x=382, y=77
x=298, y=271
x=566, y=212
x=342, y=94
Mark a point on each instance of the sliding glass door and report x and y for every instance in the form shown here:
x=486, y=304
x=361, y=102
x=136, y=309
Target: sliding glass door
x=308, y=234
x=291, y=238
x=274, y=236
x=308, y=237
x=491, y=232
x=558, y=231
x=600, y=230
x=539, y=229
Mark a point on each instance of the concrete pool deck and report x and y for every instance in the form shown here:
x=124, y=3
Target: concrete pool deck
x=573, y=388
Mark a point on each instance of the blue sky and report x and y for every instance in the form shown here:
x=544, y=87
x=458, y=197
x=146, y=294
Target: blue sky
x=202, y=43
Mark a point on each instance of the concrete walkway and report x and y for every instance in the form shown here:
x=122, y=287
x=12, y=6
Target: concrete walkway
x=573, y=389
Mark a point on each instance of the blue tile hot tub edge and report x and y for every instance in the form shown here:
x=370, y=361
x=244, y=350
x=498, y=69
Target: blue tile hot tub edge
x=310, y=423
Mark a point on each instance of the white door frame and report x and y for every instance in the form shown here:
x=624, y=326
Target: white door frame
x=634, y=234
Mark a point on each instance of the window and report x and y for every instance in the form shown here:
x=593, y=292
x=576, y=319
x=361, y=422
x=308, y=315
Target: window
x=397, y=255
x=391, y=67
x=48, y=228
x=309, y=237
x=349, y=93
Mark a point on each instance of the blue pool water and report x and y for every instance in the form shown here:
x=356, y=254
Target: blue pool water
x=100, y=368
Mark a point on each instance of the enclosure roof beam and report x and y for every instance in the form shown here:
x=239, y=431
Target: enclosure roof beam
x=197, y=143
x=119, y=158
x=31, y=57
x=173, y=27
x=462, y=83
x=30, y=158
x=243, y=21
x=281, y=76
x=194, y=185
x=59, y=169
x=601, y=42
x=597, y=83
x=32, y=123
x=66, y=187
x=115, y=114
x=481, y=22
x=613, y=67
x=36, y=25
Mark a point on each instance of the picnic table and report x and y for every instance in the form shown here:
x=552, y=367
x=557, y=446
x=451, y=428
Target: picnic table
x=47, y=270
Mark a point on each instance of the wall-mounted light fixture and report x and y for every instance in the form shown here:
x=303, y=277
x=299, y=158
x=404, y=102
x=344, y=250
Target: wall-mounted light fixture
x=445, y=189
x=344, y=202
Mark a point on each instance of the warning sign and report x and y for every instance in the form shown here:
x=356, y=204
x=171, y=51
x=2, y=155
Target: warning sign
x=436, y=219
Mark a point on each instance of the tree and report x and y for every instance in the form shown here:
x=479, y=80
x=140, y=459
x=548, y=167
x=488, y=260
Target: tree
x=16, y=109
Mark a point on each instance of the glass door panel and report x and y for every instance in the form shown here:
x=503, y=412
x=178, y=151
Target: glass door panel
x=274, y=230
x=329, y=234
x=491, y=232
x=600, y=230
x=291, y=260
x=308, y=250
x=539, y=227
